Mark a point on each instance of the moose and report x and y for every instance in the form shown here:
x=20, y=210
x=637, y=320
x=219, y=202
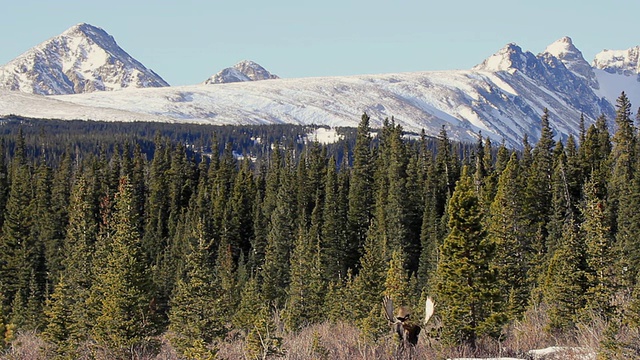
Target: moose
x=401, y=322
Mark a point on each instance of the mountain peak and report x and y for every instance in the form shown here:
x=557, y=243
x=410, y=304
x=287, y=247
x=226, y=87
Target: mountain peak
x=81, y=27
x=509, y=58
x=245, y=70
x=565, y=51
x=84, y=58
x=623, y=62
x=561, y=46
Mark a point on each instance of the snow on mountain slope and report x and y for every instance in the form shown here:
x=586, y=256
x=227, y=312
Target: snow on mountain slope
x=612, y=85
x=37, y=106
x=503, y=97
x=240, y=72
x=501, y=105
x=82, y=59
x=624, y=62
x=572, y=58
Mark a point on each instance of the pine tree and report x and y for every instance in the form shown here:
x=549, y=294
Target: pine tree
x=414, y=208
x=446, y=166
x=623, y=197
x=42, y=235
x=465, y=285
x=561, y=200
x=368, y=286
x=564, y=282
x=4, y=181
x=68, y=320
x=594, y=152
x=124, y=320
x=334, y=242
x=433, y=229
x=195, y=317
x=221, y=190
x=58, y=316
x=538, y=198
x=306, y=290
x=266, y=202
x=157, y=207
x=392, y=201
x=276, y=270
x=241, y=234
x=226, y=271
x=505, y=231
x=397, y=282
x=60, y=197
x=430, y=242
x=360, y=189
x=601, y=257
x=18, y=253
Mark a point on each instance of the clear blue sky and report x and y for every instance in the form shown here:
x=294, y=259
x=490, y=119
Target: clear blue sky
x=187, y=41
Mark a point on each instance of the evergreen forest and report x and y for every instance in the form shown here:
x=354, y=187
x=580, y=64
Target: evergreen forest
x=120, y=240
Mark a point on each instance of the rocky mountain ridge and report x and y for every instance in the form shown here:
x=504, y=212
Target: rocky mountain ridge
x=243, y=71
x=82, y=59
x=503, y=97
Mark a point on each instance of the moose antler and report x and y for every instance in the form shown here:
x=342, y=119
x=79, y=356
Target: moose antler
x=429, y=308
x=387, y=303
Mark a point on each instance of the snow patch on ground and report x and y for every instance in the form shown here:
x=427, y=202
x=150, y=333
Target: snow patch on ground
x=562, y=352
x=554, y=352
x=324, y=136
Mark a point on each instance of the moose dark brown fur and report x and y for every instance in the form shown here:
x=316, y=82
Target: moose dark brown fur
x=401, y=324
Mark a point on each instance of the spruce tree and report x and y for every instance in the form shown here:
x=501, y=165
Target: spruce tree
x=538, y=198
x=195, y=316
x=465, y=285
x=60, y=197
x=601, y=256
x=282, y=228
x=242, y=205
x=124, y=321
x=623, y=196
x=594, y=152
x=360, y=189
x=397, y=282
x=4, y=181
x=564, y=282
x=334, y=242
x=158, y=204
x=394, y=202
x=18, y=254
x=68, y=321
x=561, y=206
x=368, y=286
x=226, y=270
x=504, y=225
x=306, y=290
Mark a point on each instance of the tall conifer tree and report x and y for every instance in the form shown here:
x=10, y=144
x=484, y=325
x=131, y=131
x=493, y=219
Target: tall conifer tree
x=124, y=320
x=360, y=190
x=465, y=285
x=505, y=225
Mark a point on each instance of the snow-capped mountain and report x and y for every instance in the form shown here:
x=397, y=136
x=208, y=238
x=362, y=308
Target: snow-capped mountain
x=573, y=60
x=623, y=62
x=82, y=59
x=243, y=71
x=503, y=97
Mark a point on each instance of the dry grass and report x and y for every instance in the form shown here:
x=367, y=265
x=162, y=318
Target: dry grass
x=27, y=345
x=345, y=341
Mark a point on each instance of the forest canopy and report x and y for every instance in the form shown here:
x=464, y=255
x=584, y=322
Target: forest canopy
x=118, y=234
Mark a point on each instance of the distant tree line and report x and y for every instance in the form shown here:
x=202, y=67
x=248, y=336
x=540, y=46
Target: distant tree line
x=114, y=234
